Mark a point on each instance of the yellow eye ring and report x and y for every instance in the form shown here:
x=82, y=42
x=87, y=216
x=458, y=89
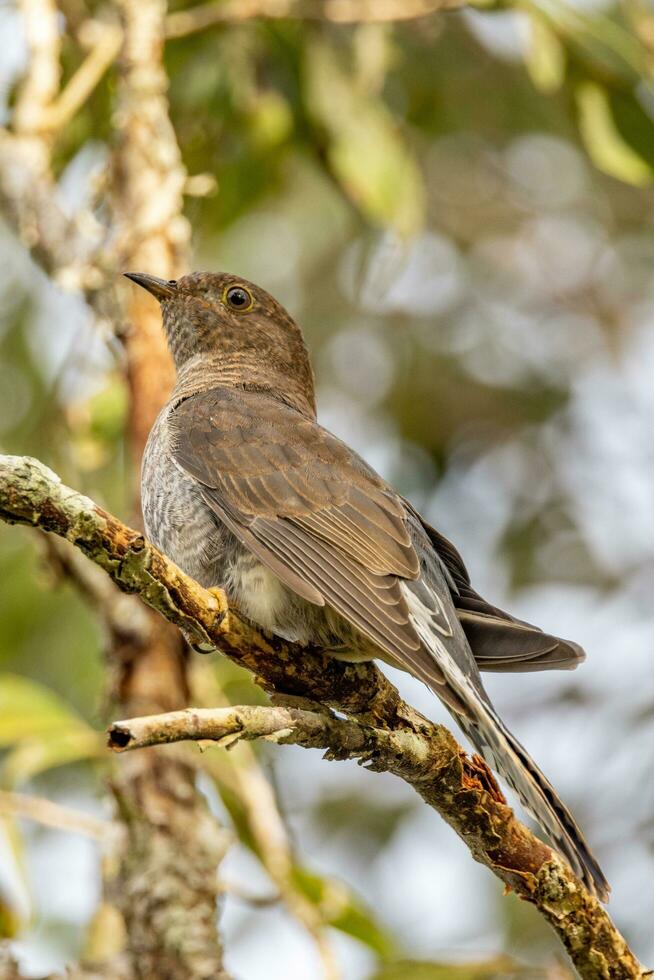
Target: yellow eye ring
x=238, y=298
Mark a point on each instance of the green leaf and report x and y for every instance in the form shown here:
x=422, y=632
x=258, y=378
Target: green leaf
x=499, y=968
x=607, y=43
x=107, y=410
x=544, y=56
x=33, y=756
x=365, y=149
x=603, y=141
x=343, y=911
x=41, y=728
x=238, y=814
x=632, y=121
x=27, y=708
x=15, y=904
x=97, y=424
x=270, y=120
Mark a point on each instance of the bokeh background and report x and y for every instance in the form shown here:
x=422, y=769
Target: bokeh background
x=458, y=210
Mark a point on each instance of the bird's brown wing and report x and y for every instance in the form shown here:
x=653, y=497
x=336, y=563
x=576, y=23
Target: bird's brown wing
x=310, y=509
x=499, y=642
x=331, y=529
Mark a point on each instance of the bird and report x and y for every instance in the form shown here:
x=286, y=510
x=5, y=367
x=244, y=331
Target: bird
x=243, y=489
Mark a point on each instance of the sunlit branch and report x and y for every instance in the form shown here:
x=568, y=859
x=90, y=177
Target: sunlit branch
x=41, y=82
x=205, y=15
x=105, y=41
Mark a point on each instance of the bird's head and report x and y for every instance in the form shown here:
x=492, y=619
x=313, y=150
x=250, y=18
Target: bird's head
x=221, y=324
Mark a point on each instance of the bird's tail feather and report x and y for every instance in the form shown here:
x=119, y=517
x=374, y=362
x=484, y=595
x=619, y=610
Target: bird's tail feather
x=491, y=737
x=506, y=755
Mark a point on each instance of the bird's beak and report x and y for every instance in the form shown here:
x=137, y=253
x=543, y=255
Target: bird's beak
x=161, y=289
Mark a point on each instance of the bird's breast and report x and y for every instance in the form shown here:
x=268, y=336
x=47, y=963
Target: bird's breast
x=176, y=518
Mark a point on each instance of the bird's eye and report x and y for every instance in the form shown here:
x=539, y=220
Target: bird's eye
x=172, y=282
x=239, y=299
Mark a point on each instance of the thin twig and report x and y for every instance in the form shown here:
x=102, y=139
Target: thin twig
x=55, y=815
x=236, y=890
x=205, y=15
x=106, y=39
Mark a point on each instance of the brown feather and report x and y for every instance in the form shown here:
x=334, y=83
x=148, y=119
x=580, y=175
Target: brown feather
x=342, y=541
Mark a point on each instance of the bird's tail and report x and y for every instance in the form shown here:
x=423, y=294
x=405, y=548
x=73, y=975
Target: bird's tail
x=452, y=674
x=504, y=753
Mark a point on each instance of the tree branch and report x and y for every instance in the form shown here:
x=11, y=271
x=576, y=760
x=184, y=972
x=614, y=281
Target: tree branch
x=55, y=815
x=199, y=18
x=288, y=726
x=103, y=40
x=380, y=728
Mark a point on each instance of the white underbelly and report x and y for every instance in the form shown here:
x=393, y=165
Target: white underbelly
x=260, y=593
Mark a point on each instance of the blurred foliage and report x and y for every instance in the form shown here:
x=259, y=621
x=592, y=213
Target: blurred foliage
x=343, y=911
x=363, y=148
x=366, y=825
x=14, y=895
x=458, y=210
x=40, y=731
x=501, y=968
